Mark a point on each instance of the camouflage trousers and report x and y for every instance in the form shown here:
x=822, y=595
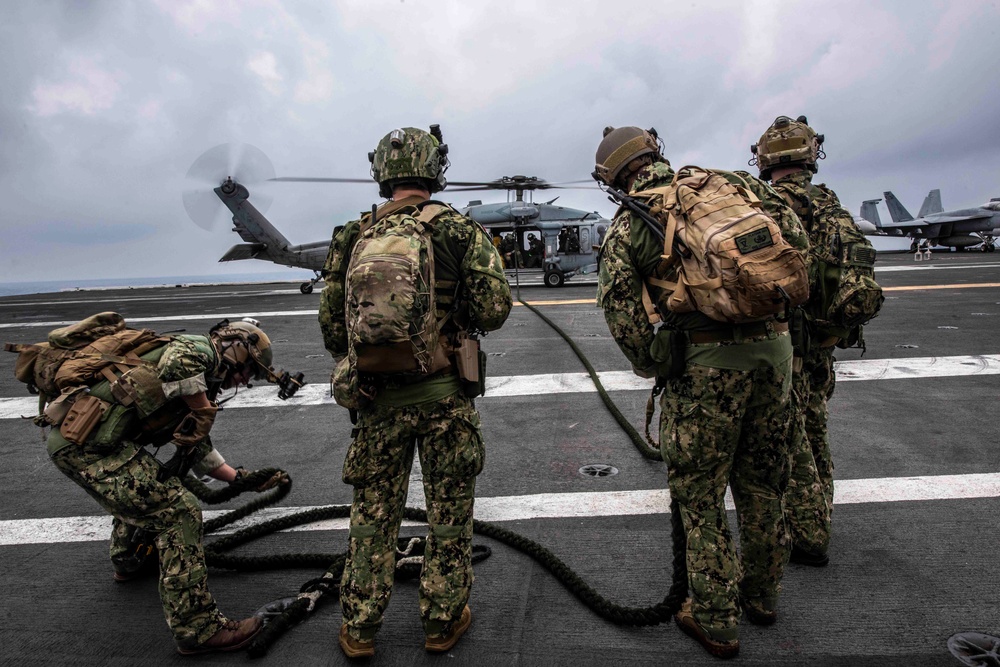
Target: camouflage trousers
x=447, y=437
x=125, y=485
x=724, y=427
x=809, y=499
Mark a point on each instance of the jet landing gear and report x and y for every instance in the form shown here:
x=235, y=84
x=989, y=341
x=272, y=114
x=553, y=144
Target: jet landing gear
x=989, y=244
x=307, y=287
x=921, y=250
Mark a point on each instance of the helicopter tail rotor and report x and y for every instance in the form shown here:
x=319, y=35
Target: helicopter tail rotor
x=242, y=163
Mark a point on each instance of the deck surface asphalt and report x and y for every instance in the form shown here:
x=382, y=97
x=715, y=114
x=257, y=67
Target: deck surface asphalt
x=904, y=575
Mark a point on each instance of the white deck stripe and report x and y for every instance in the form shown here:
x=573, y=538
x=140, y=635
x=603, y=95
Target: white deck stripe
x=568, y=383
x=544, y=506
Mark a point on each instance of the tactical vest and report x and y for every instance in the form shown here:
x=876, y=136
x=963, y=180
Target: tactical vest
x=728, y=258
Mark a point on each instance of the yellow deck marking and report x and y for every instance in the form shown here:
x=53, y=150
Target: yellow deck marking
x=906, y=288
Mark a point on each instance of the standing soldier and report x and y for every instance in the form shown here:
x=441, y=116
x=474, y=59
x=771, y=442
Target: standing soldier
x=725, y=392
x=409, y=287
x=786, y=155
x=167, y=398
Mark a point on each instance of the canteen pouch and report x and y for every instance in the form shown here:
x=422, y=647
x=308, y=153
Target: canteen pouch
x=669, y=351
x=471, y=362
x=83, y=416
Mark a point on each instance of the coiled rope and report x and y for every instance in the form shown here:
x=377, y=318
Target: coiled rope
x=313, y=591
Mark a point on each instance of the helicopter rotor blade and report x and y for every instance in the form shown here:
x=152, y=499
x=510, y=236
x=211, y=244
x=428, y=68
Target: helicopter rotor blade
x=244, y=163
x=319, y=179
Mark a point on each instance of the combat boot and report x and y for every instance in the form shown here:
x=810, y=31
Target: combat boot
x=232, y=636
x=355, y=648
x=810, y=558
x=762, y=611
x=685, y=620
x=445, y=642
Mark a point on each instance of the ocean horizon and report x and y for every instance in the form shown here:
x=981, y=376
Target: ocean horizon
x=49, y=286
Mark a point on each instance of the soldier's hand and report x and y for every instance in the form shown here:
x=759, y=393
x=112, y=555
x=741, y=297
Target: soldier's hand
x=280, y=477
x=646, y=373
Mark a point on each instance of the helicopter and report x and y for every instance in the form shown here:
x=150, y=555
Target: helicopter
x=555, y=241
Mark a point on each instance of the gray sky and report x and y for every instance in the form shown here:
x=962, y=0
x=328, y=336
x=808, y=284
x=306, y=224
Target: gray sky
x=105, y=105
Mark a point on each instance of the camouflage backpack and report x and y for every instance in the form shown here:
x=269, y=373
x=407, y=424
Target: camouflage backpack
x=390, y=302
x=844, y=261
x=732, y=263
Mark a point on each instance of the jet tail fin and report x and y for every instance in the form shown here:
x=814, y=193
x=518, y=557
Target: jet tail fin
x=932, y=204
x=869, y=211
x=897, y=211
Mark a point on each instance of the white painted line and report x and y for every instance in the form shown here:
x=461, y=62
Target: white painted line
x=218, y=317
x=264, y=396
x=934, y=267
x=542, y=506
x=145, y=299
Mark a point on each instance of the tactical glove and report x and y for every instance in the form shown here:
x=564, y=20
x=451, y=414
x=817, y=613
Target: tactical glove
x=280, y=477
x=194, y=428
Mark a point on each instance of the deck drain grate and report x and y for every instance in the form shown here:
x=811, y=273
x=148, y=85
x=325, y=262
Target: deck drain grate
x=598, y=470
x=975, y=649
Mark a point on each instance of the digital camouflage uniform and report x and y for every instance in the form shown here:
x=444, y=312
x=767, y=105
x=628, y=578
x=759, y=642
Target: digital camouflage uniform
x=809, y=500
x=721, y=419
x=431, y=415
x=122, y=477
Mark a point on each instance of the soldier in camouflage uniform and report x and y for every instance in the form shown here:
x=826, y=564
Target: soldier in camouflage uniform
x=125, y=479
x=786, y=155
x=719, y=415
x=402, y=412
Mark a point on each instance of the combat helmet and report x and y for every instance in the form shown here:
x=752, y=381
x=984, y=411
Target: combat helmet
x=243, y=343
x=787, y=142
x=620, y=147
x=410, y=154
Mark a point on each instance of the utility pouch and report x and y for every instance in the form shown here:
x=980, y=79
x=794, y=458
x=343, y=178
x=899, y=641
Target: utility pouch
x=82, y=417
x=669, y=351
x=471, y=362
x=56, y=411
x=799, y=331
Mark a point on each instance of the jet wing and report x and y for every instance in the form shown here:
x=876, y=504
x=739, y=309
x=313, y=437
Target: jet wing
x=937, y=219
x=244, y=251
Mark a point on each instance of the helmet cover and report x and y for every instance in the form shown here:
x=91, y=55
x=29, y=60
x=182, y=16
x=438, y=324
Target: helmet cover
x=787, y=143
x=409, y=154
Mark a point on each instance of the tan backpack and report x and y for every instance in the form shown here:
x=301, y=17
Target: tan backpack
x=78, y=354
x=731, y=261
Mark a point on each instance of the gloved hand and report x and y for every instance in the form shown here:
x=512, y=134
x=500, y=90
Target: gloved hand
x=195, y=426
x=280, y=477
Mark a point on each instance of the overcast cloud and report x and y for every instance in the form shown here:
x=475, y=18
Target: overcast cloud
x=105, y=105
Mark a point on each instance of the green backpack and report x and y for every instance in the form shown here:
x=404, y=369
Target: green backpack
x=844, y=259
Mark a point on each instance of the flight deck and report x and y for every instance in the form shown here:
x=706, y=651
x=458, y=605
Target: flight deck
x=914, y=433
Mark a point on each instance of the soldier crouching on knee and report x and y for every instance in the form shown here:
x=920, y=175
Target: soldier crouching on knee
x=409, y=287
x=168, y=397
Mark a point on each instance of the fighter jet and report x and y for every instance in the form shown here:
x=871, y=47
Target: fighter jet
x=933, y=226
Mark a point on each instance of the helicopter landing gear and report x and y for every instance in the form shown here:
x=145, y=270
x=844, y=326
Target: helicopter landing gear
x=554, y=279
x=307, y=287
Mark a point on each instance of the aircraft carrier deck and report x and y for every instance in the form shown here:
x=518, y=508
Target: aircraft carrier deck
x=914, y=553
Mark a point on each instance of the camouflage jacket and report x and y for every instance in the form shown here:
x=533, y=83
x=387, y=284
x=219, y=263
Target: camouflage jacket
x=186, y=364
x=631, y=252
x=816, y=205
x=827, y=222
x=464, y=258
